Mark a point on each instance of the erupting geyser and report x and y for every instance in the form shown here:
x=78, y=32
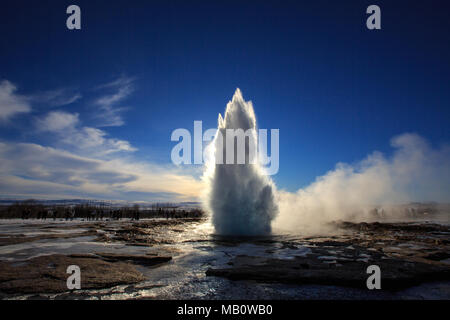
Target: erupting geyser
x=240, y=196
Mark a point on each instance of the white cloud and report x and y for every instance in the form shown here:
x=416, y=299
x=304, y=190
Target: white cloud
x=110, y=114
x=11, y=103
x=33, y=170
x=94, y=140
x=57, y=121
x=85, y=140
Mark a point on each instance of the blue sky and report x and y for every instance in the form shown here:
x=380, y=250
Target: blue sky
x=99, y=104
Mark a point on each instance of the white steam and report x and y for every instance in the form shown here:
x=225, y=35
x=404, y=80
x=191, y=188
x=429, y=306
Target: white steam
x=240, y=197
x=415, y=172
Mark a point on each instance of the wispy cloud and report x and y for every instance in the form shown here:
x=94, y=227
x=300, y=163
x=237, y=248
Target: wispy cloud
x=34, y=170
x=110, y=114
x=11, y=103
x=66, y=128
x=95, y=141
x=56, y=98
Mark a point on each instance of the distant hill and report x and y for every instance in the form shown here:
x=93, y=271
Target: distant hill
x=104, y=203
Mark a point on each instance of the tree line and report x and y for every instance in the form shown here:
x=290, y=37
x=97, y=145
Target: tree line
x=31, y=209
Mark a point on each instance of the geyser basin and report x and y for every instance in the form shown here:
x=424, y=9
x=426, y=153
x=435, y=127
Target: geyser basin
x=240, y=196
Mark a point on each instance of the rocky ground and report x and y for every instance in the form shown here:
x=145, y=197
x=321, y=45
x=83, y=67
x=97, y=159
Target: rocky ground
x=180, y=258
x=407, y=254
x=46, y=273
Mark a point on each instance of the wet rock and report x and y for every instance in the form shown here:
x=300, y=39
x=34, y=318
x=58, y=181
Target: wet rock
x=438, y=256
x=407, y=253
x=45, y=274
x=6, y=240
x=396, y=274
x=148, y=233
x=145, y=260
x=403, y=226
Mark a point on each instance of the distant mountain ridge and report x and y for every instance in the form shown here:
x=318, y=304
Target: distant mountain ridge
x=107, y=203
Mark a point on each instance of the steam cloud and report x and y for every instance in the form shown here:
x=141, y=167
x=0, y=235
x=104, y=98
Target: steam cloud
x=415, y=172
x=240, y=196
